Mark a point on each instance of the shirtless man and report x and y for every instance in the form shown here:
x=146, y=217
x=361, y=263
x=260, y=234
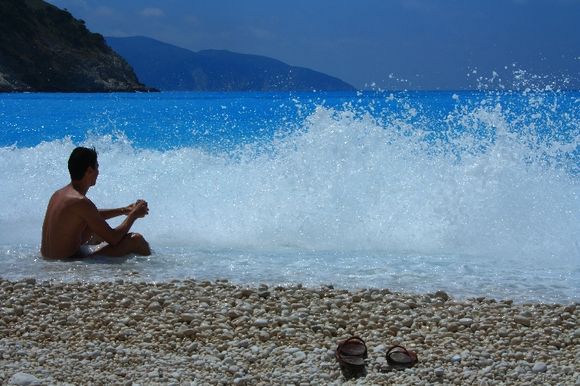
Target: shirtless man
x=72, y=220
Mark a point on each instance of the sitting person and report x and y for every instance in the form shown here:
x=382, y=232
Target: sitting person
x=73, y=221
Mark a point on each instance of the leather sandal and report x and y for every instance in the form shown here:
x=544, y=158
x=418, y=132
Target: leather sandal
x=351, y=354
x=400, y=358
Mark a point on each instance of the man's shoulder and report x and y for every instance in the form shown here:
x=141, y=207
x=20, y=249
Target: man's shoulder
x=70, y=197
x=82, y=201
x=81, y=206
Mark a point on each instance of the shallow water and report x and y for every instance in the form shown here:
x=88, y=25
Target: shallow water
x=460, y=276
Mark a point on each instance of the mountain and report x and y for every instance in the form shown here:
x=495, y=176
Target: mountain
x=43, y=48
x=168, y=67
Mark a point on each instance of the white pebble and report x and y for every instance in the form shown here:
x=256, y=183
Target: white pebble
x=154, y=306
x=187, y=317
x=261, y=323
x=523, y=320
x=540, y=367
x=24, y=379
x=300, y=356
x=466, y=322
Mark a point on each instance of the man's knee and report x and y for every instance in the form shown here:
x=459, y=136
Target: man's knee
x=136, y=237
x=140, y=245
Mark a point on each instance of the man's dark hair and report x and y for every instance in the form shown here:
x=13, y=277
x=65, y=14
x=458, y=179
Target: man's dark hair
x=79, y=161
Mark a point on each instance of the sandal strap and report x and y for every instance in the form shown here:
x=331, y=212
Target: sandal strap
x=410, y=354
x=353, y=339
x=397, y=346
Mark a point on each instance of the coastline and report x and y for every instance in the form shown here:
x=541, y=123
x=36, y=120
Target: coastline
x=217, y=332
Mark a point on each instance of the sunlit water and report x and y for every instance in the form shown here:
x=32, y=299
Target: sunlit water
x=475, y=193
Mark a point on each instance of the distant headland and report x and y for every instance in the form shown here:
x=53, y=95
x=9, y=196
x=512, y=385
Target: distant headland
x=45, y=49
x=167, y=67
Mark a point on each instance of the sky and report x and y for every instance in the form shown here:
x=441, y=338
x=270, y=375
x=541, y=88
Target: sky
x=385, y=44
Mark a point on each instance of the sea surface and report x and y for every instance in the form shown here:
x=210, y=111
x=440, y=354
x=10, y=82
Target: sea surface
x=475, y=193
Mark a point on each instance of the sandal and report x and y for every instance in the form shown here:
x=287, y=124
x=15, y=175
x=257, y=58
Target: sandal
x=351, y=355
x=401, y=358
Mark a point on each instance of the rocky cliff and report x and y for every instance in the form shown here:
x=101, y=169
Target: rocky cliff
x=43, y=48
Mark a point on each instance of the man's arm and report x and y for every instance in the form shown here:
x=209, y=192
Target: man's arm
x=95, y=221
x=110, y=213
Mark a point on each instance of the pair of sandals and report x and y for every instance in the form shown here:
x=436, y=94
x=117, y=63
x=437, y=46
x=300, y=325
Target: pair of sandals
x=352, y=352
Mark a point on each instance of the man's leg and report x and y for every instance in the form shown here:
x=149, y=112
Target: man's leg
x=90, y=238
x=131, y=243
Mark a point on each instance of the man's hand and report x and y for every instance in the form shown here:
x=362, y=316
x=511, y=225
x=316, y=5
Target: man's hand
x=139, y=209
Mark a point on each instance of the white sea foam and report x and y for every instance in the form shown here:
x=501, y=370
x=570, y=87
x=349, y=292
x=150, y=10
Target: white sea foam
x=349, y=197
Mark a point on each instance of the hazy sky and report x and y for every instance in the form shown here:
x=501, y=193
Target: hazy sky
x=425, y=44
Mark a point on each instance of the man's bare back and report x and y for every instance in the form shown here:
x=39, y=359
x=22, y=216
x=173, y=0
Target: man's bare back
x=63, y=231
x=72, y=219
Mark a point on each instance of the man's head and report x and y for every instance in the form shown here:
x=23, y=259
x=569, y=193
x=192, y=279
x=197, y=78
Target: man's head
x=82, y=159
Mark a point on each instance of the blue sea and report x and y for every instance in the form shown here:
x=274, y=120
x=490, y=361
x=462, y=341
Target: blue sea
x=476, y=193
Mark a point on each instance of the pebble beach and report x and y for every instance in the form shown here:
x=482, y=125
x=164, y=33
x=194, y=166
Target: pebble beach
x=219, y=333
